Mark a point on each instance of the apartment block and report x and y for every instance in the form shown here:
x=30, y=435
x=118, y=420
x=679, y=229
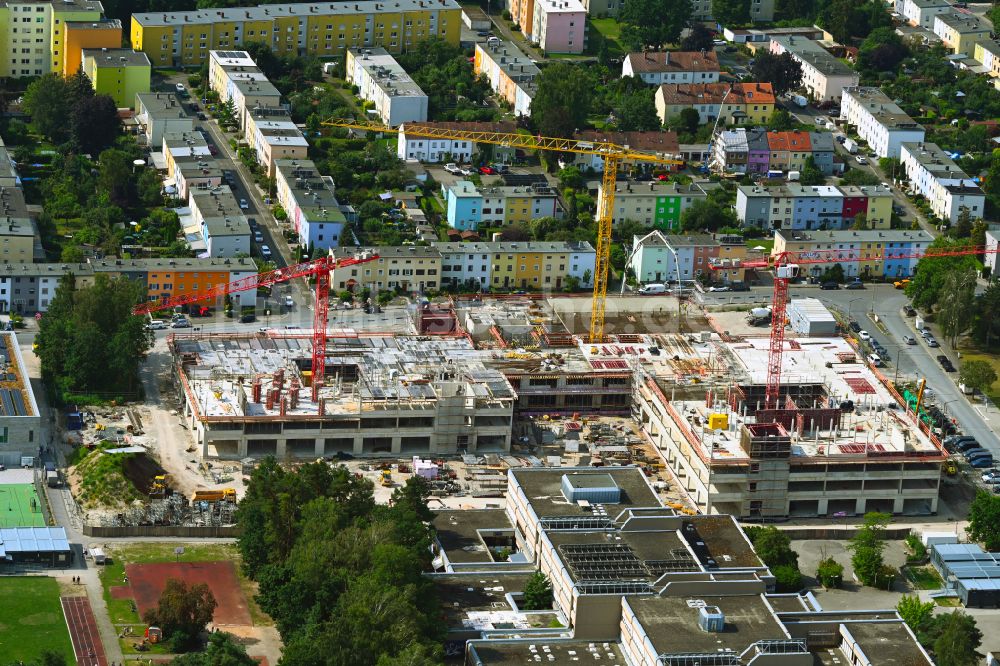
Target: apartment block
x=761, y=11
x=381, y=81
x=662, y=144
x=522, y=13
x=79, y=35
x=934, y=175
x=660, y=257
x=120, y=73
x=794, y=206
x=310, y=201
x=9, y=177
x=39, y=49
x=466, y=265
x=760, y=151
x=511, y=73
x=960, y=31
x=20, y=422
x=224, y=227
x=274, y=136
x=406, y=268
x=469, y=206
x=559, y=26
x=185, y=38
x=867, y=254
x=540, y=266
x=20, y=241
x=736, y=103
x=160, y=113
x=879, y=121
x=190, y=165
x=657, y=68
x=235, y=76
x=656, y=203
x=823, y=75
x=435, y=150
x=988, y=53
x=921, y=13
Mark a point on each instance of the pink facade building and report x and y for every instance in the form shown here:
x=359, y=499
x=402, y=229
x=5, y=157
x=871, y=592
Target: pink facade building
x=559, y=26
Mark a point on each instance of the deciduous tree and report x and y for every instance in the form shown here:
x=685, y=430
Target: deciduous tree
x=915, y=613
x=562, y=103
x=957, y=311
x=957, y=640
x=699, y=38
x=48, y=101
x=978, y=375
x=182, y=612
x=782, y=71
x=731, y=13
x=984, y=520
x=221, y=650
x=95, y=123
x=867, y=546
x=653, y=23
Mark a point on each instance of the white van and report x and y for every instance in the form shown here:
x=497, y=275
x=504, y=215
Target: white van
x=648, y=289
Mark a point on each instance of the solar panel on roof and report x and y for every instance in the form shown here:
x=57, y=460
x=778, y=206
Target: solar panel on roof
x=19, y=407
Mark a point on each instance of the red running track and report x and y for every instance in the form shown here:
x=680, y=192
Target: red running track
x=83, y=631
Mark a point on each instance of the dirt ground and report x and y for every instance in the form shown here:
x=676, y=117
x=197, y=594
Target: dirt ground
x=147, y=581
x=635, y=314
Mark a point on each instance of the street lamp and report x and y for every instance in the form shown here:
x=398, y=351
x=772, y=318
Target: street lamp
x=850, y=303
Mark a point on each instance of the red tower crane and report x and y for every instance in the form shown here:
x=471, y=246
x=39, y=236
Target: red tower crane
x=786, y=267
x=319, y=268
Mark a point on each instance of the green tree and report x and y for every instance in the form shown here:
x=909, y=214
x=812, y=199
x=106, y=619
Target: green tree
x=867, y=547
x=571, y=178
x=859, y=177
x=830, y=573
x=849, y=19
x=787, y=578
x=731, y=13
x=773, y=546
x=978, y=375
x=810, y=174
x=987, y=324
x=957, y=641
x=882, y=50
x=537, y=592
x=563, y=100
x=833, y=273
x=783, y=71
x=699, y=38
x=860, y=222
x=780, y=120
x=222, y=650
x=984, y=520
x=707, y=215
x=182, y=612
x=689, y=119
x=931, y=273
x=957, y=312
x=95, y=123
x=49, y=103
x=915, y=613
x=637, y=112
x=653, y=23
x=795, y=10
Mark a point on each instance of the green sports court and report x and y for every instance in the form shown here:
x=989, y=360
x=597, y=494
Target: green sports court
x=19, y=506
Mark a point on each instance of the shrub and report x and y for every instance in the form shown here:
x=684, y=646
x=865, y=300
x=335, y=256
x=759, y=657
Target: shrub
x=830, y=573
x=787, y=578
x=918, y=552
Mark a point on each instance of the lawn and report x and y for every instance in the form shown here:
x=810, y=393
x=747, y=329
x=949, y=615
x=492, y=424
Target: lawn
x=923, y=578
x=970, y=354
x=31, y=619
x=766, y=243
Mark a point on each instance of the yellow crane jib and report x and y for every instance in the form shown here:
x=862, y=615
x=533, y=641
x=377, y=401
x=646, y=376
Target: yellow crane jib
x=612, y=153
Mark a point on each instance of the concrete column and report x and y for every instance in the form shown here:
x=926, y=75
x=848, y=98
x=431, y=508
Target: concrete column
x=859, y=506
x=397, y=445
x=281, y=449
x=358, y=444
x=241, y=447
x=897, y=505
x=822, y=506
x=319, y=448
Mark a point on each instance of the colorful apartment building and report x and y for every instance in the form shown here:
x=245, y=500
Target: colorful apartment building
x=310, y=201
x=559, y=26
x=406, y=268
x=40, y=49
x=468, y=207
x=961, y=31
x=728, y=267
x=733, y=103
x=922, y=12
x=987, y=52
x=120, y=73
x=655, y=203
x=541, y=266
x=434, y=150
x=879, y=120
x=172, y=39
x=805, y=207
x=79, y=35
x=511, y=73
x=235, y=77
x=933, y=175
x=273, y=136
x=383, y=82
x=220, y=221
x=660, y=257
x=867, y=254
x=190, y=164
x=759, y=151
x=657, y=68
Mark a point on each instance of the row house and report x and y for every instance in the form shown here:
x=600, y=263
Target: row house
x=661, y=144
x=511, y=73
x=730, y=103
x=469, y=206
x=657, y=68
x=794, y=206
x=654, y=203
x=236, y=78
x=960, y=31
x=760, y=151
x=310, y=201
x=410, y=146
x=866, y=254
x=658, y=257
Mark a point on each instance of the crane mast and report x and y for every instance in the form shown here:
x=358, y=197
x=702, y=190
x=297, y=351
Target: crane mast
x=612, y=154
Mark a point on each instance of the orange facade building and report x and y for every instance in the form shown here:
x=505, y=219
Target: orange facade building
x=106, y=34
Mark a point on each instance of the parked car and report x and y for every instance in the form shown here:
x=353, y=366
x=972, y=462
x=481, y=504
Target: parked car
x=156, y=325
x=829, y=285
x=864, y=335
x=909, y=311
x=909, y=339
x=982, y=463
x=739, y=286
x=179, y=87
x=258, y=237
x=248, y=318
x=212, y=149
x=990, y=475
x=721, y=287
x=875, y=360
x=967, y=445
x=289, y=302
x=855, y=326
x=180, y=323
x=451, y=167
x=931, y=341
x=487, y=171
x=244, y=205
x=265, y=251
x=857, y=284
x=862, y=159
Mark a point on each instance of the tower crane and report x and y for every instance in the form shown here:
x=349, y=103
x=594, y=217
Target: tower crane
x=318, y=269
x=612, y=154
x=786, y=267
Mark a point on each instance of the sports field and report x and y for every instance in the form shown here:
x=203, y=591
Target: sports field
x=31, y=619
x=16, y=508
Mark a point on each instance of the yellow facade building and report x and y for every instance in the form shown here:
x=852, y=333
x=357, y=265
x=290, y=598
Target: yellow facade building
x=32, y=34
x=79, y=35
x=186, y=38
x=120, y=73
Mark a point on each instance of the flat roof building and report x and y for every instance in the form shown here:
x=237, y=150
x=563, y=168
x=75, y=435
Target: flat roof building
x=384, y=83
x=235, y=76
x=511, y=73
x=20, y=420
x=934, y=175
x=879, y=120
x=160, y=113
x=223, y=226
x=960, y=31
x=119, y=73
x=823, y=75
x=309, y=198
x=274, y=136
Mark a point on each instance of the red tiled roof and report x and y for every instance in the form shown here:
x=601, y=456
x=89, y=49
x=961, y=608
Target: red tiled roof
x=653, y=142
x=676, y=61
x=796, y=140
x=713, y=93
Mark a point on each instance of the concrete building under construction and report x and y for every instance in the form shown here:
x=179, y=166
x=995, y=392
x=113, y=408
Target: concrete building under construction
x=400, y=395
x=837, y=443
